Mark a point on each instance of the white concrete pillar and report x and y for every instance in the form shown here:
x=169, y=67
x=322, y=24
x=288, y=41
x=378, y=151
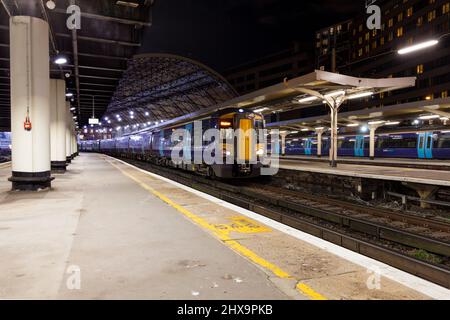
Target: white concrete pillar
x=58, y=120
x=319, y=142
x=283, y=143
x=68, y=134
x=372, y=129
x=30, y=89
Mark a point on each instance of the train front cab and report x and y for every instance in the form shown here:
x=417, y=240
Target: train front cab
x=242, y=152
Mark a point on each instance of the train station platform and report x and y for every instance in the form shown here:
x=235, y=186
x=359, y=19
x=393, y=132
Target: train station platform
x=369, y=171
x=108, y=230
x=431, y=164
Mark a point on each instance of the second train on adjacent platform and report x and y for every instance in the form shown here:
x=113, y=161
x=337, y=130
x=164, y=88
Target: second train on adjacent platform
x=413, y=145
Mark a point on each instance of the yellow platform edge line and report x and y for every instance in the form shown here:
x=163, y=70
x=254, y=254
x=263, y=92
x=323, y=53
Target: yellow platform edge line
x=233, y=244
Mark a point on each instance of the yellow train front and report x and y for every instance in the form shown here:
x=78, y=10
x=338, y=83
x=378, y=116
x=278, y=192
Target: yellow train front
x=242, y=141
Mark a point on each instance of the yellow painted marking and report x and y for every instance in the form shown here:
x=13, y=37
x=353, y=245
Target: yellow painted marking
x=241, y=225
x=309, y=292
x=222, y=234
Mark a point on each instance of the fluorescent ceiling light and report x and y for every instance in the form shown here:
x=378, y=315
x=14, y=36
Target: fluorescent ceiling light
x=304, y=129
x=375, y=122
x=392, y=123
x=353, y=125
x=360, y=95
x=418, y=46
x=308, y=99
x=260, y=110
x=60, y=60
x=127, y=4
x=433, y=116
x=69, y=94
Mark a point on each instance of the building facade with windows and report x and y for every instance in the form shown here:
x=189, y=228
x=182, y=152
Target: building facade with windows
x=271, y=69
x=373, y=53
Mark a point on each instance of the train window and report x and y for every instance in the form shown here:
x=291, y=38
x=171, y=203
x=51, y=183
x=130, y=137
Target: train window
x=444, y=142
x=226, y=134
x=429, y=142
x=421, y=142
x=399, y=142
x=348, y=144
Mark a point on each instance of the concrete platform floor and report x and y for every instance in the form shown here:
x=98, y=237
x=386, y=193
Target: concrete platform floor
x=109, y=231
x=422, y=176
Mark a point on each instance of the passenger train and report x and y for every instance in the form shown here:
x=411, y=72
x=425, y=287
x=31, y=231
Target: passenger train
x=5, y=146
x=155, y=145
x=408, y=144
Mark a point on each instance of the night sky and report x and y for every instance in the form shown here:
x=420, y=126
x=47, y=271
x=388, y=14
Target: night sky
x=226, y=33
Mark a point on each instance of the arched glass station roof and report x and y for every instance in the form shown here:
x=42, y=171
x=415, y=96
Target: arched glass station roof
x=160, y=87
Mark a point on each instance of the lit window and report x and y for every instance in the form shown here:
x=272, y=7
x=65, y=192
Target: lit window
x=367, y=37
x=390, y=22
x=399, y=32
x=419, y=21
x=381, y=41
x=420, y=69
x=374, y=45
x=400, y=16
x=446, y=8
x=409, y=12
x=360, y=40
x=391, y=36
x=360, y=52
x=444, y=94
x=367, y=48
x=374, y=32
x=431, y=15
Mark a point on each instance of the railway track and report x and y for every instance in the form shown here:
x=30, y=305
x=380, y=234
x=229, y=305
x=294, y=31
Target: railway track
x=415, y=244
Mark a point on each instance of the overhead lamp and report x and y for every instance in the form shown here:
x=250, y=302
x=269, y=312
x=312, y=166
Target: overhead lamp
x=335, y=93
x=147, y=113
x=127, y=4
x=364, y=129
x=429, y=117
x=241, y=110
x=360, y=95
x=416, y=121
x=60, y=60
x=73, y=109
x=319, y=128
x=50, y=4
x=353, y=125
x=69, y=94
x=418, y=46
x=304, y=129
x=260, y=110
x=308, y=99
x=294, y=132
x=444, y=118
x=392, y=123
x=375, y=122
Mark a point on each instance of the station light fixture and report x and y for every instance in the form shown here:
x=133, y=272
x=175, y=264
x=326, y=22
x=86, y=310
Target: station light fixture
x=375, y=122
x=73, y=109
x=364, y=129
x=418, y=46
x=147, y=113
x=241, y=110
x=392, y=123
x=308, y=99
x=69, y=94
x=416, y=121
x=429, y=117
x=444, y=118
x=304, y=129
x=360, y=95
x=335, y=93
x=60, y=60
x=50, y=4
x=294, y=132
x=319, y=128
x=260, y=110
x=353, y=125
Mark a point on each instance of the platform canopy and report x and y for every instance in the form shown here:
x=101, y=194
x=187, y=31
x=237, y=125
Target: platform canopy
x=437, y=110
x=160, y=87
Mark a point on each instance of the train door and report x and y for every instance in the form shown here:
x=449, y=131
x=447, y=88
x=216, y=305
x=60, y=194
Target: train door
x=359, y=146
x=429, y=145
x=187, y=145
x=425, y=145
x=308, y=144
